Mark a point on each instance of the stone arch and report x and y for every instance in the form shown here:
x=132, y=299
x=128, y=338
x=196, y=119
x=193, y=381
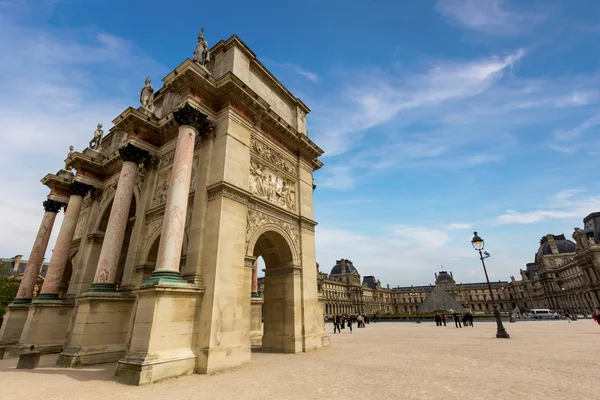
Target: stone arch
x=282, y=285
x=285, y=235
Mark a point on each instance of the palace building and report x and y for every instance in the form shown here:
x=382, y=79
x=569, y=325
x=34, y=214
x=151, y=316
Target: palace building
x=565, y=275
x=154, y=266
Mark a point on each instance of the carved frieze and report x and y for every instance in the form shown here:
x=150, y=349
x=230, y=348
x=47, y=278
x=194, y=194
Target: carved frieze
x=256, y=219
x=270, y=154
x=166, y=159
x=230, y=193
x=268, y=185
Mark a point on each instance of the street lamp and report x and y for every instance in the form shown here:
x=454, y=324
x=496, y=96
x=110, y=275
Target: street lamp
x=477, y=243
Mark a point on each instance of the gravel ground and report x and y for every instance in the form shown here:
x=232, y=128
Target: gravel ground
x=543, y=360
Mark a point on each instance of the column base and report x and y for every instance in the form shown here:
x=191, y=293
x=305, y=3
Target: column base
x=163, y=334
x=21, y=301
x=42, y=297
x=46, y=328
x=102, y=287
x=256, y=315
x=255, y=295
x=164, y=276
x=215, y=359
x=13, y=324
x=99, y=331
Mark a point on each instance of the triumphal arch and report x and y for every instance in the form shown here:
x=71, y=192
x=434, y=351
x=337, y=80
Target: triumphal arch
x=165, y=216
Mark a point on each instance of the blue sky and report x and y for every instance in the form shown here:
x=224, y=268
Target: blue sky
x=437, y=117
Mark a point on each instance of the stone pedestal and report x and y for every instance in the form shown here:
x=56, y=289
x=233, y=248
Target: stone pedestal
x=29, y=360
x=46, y=328
x=99, y=330
x=163, y=334
x=256, y=314
x=14, y=321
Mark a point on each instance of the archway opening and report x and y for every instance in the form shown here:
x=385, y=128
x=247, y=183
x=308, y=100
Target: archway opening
x=282, y=331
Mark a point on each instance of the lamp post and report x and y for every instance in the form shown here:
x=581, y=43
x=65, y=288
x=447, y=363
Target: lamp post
x=478, y=243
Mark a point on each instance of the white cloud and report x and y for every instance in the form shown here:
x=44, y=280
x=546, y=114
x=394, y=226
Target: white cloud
x=459, y=225
x=579, y=130
x=56, y=84
x=398, y=255
x=488, y=16
x=311, y=76
x=373, y=99
x=564, y=204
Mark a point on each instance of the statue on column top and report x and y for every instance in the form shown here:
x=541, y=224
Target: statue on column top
x=147, y=96
x=202, y=53
x=71, y=151
x=95, y=142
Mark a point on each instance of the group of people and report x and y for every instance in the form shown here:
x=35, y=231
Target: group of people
x=459, y=320
x=340, y=322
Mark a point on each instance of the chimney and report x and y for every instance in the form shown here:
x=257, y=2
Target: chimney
x=17, y=262
x=451, y=275
x=435, y=276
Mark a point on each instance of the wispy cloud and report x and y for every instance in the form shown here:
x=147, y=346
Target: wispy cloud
x=494, y=17
x=403, y=252
x=53, y=95
x=459, y=225
x=372, y=101
x=564, y=204
x=295, y=68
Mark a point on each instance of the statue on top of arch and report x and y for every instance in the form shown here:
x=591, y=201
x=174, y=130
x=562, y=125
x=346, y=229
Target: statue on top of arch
x=202, y=52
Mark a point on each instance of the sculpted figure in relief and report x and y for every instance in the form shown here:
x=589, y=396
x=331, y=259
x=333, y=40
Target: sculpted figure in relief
x=271, y=187
x=147, y=96
x=95, y=142
x=202, y=53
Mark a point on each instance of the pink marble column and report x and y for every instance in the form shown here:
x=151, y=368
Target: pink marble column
x=171, y=239
x=106, y=272
x=255, y=278
x=36, y=258
x=168, y=259
x=60, y=255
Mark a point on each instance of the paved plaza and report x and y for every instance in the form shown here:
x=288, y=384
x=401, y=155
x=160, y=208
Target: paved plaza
x=543, y=360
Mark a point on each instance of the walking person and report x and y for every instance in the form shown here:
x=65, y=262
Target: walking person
x=336, y=324
x=437, y=319
x=444, y=319
x=350, y=324
x=457, y=320
x=596, y=316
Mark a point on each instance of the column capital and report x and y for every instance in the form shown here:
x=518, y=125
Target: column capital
x=133, y=154
x=188, y=115
x=53, y=206
x=80, y=189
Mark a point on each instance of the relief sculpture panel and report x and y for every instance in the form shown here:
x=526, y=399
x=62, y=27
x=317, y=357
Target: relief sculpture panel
x=269, y=153
x=268, y=185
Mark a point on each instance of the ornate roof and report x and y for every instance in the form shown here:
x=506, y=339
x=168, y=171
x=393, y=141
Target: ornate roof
x=343, y=266
x=444, y=276
x=564, y=245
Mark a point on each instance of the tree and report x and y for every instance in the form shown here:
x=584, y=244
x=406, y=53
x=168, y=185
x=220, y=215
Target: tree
x=8, y=287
